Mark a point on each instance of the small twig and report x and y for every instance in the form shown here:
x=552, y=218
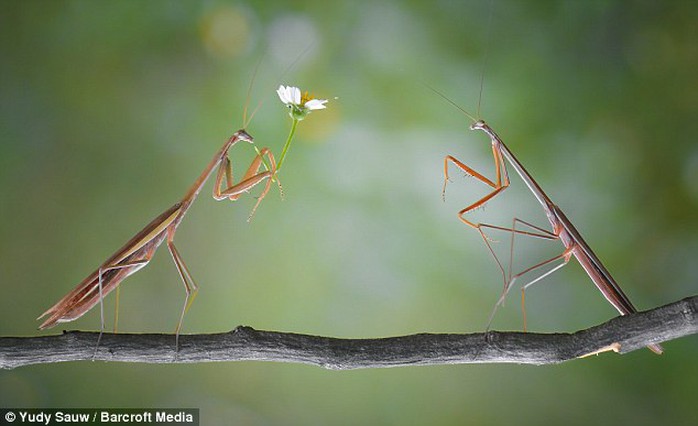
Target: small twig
x=621, y=334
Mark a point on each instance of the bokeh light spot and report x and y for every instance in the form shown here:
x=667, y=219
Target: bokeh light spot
x=225, y=32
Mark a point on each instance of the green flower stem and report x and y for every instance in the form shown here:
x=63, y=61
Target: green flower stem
x=288, y=143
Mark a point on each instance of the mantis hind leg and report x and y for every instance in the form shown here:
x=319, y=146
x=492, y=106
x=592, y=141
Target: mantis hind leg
x=190, y=287
x=535, y=232
x=102, y=270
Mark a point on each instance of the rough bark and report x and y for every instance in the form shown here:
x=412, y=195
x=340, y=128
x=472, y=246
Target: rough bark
x=622, y=334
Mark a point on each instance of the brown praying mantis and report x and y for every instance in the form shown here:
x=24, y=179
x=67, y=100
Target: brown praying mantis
x=562, y=228
x=138, y=251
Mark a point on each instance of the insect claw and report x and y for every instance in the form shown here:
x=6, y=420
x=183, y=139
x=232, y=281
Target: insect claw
x=443, y=188
x=281, y=192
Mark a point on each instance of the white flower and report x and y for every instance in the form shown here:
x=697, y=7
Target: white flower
x=300, y=104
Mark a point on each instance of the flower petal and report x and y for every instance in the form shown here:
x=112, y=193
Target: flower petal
x=281, y=91
x=295, y=95
x=315, y=104
x=288, y=95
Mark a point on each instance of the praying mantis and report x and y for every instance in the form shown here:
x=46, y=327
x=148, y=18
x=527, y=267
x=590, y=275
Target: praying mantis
x=139, y=250
x=562, y=228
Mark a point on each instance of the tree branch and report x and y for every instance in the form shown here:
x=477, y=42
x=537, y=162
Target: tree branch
x=622, y=334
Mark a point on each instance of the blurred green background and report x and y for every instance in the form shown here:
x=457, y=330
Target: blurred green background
x=110, y=110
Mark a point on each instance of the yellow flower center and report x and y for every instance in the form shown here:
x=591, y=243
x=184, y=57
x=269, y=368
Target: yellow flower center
x=305, y=97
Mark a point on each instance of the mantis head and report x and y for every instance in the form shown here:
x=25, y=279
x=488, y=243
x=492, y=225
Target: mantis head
x=478, y=125
x=242, y=135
